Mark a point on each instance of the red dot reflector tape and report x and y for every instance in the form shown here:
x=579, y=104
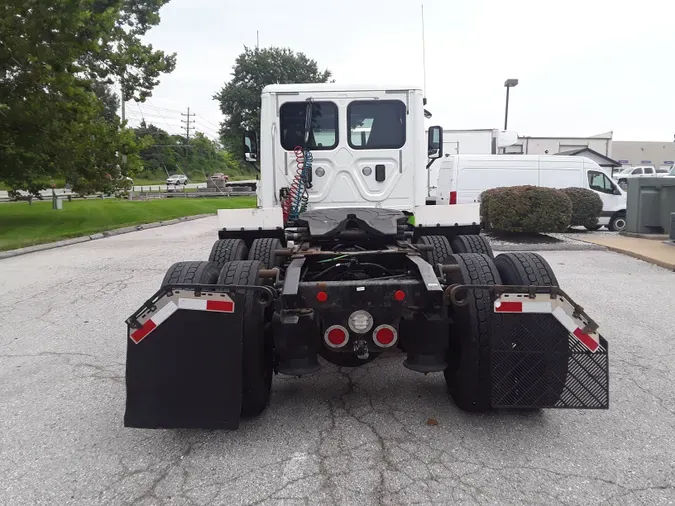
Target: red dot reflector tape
x=322, y=296
x=399, y=295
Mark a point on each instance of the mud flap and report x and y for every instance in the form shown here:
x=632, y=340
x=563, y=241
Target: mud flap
x=184, y=360
x=545, y=352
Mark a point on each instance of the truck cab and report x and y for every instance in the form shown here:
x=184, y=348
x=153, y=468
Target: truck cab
x=367, y=144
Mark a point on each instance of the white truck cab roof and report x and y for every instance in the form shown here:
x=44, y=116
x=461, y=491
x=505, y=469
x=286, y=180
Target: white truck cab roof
x=335, y=87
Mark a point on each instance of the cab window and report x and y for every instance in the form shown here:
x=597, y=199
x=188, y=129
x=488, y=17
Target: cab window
x=376, y=124
x=649, y=170
x=324, y=129
x=599, y=182
x=637, y=171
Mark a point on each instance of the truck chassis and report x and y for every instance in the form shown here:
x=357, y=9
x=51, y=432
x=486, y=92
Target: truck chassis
x=347, y=285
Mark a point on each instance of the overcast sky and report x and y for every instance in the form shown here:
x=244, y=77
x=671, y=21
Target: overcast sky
x=585, y=66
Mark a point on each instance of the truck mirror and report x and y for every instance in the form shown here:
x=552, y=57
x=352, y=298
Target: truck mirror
x=250, y=146
x=435, y=148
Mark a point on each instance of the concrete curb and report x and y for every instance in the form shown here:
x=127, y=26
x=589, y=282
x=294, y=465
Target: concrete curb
x=644, y=258
x=101, y=235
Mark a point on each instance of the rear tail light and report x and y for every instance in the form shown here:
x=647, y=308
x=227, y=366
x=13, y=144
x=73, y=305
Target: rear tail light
x=385, y=336
x=336, y=336
x=453, y=197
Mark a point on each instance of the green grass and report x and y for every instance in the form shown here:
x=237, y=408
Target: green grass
x=24, y=225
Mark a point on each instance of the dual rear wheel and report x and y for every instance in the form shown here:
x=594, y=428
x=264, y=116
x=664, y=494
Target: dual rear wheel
x=469, y=375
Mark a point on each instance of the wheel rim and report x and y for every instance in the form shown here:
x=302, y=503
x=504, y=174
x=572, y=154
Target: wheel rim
x=620, y=223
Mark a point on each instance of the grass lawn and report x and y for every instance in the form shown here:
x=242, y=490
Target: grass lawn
x=25, y=225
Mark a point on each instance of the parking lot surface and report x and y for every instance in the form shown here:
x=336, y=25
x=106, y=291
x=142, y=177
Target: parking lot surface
x=338, y=437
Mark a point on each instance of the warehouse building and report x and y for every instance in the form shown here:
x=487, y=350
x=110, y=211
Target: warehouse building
x=630, y=153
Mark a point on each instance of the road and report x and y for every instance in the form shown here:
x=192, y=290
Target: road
x=339, y=437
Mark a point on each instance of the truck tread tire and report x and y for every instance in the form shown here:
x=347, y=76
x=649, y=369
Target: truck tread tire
x=228, y=250
x=205, y=273
x=468, y=374
x=613, y=222
x=263, y=249
x=441, y=249
x=257, y=352
x=525, y=269
x=532, y=269
x=471, y=244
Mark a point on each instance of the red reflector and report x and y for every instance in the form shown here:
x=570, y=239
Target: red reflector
x=226, y=306
x=399, y=295
x=322, y=296
x=336, y=336
x=586, y=340
x=510, y=307
x=453, y=197
x=138, y=335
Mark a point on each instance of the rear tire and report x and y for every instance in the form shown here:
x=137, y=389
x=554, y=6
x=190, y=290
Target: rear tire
x=257, y=350
x=205, y=273
x=471, y=244
x=525, y=269
x=264, y=250
x=468, y=375
x=440, y=251
x=532, y=269
x=228, y=250
x=617, y=223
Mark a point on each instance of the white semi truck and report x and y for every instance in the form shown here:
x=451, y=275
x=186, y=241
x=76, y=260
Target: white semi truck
x=342, y=259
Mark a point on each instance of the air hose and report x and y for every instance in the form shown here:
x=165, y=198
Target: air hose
x=297, y=197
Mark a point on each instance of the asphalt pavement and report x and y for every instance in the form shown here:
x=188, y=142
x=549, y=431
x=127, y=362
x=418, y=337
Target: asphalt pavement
x=338, y=437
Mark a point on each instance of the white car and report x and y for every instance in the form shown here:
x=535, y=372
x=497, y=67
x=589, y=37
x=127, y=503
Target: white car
x=177, y=179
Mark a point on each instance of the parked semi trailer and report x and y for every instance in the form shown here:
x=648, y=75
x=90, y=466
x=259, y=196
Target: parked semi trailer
x=341, y=261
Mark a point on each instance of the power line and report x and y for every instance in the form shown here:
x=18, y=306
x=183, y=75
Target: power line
x=160, y=115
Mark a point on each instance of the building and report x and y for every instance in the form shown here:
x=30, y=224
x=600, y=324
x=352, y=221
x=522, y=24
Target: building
x=658, y=154
x=601, y=143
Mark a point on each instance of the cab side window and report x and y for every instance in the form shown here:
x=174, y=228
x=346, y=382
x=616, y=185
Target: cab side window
x=599, y=182
x=649, y=170
x=637, y=171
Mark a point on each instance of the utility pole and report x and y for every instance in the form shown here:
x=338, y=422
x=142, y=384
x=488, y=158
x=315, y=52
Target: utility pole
x=188, y=122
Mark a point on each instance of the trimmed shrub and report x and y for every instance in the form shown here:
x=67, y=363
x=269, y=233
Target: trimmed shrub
x=586, y=206
x=484, y=198
x=529, y=209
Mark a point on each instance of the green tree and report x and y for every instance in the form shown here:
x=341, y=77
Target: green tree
x=254, y=69
x=52, y=56
x=109, y=99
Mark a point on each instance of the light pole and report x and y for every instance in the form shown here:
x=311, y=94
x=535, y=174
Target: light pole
x=508, y=84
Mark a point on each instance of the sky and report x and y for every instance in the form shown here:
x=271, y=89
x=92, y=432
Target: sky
x=584, y=66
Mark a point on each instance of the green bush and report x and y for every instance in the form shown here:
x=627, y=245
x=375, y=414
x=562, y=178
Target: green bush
x=484, y=198
x=529, y=209
x=586, y=206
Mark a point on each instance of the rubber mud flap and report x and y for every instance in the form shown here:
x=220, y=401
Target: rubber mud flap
x=186, y=372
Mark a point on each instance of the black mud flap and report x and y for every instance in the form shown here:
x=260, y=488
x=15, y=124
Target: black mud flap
x=184, y=359
x=545, y=352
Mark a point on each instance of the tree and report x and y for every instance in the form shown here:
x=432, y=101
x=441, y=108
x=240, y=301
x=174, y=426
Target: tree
x=254, y=69
x=109, y=100
x=53, y=55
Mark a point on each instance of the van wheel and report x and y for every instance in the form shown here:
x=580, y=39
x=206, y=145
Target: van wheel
x=617, y=223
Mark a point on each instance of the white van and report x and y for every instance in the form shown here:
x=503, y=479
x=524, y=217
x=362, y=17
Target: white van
x=462, y=179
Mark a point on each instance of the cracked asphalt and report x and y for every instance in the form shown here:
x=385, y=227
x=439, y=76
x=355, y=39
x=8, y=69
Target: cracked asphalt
x=339, y=437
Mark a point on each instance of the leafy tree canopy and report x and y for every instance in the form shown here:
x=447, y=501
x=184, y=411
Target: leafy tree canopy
x=56, y=58
x=198, y=158
x=254, y=69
